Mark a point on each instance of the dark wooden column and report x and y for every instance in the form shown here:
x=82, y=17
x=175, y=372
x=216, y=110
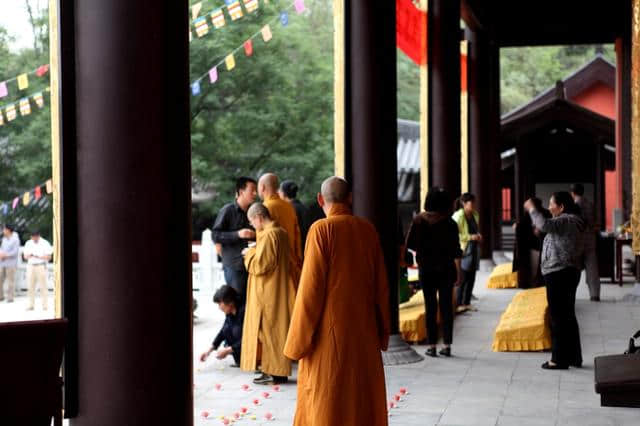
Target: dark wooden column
x=371, y=125
x=494, y=144
x=444, y=93
x=481, y=150
x=126, y=201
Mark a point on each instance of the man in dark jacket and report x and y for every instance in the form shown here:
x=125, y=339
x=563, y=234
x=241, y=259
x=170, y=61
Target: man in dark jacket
x=289, y=191
x=231, y=332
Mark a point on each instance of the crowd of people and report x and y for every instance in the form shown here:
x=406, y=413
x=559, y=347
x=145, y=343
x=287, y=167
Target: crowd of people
x=287, y=300
x=37, y=253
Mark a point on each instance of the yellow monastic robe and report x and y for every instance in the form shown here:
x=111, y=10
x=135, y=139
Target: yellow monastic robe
x=284, y=214
x=340, y=324
x=270, y=298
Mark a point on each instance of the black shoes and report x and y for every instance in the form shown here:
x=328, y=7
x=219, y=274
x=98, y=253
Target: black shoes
x=446, y=352
x=431, y=352
x=595, y=298
x=547, y=366
x=267, y=379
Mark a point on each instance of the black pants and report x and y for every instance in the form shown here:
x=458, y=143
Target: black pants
x=238, y=280
x=565, y=334
x=437, y=287
x=466, y=287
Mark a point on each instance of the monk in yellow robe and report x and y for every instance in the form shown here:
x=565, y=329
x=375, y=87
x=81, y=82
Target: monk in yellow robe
x=283, y=213
x=340, y=319
x=270, y=298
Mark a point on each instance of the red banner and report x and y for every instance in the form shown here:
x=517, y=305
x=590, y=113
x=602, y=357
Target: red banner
x=411, y=31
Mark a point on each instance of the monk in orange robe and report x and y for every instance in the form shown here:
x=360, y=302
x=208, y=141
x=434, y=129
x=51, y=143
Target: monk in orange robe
x=340, y=319
x=283, y=213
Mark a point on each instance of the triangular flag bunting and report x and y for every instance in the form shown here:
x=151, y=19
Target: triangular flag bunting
x=3, y=89
x=49, y=186
x=11, y=112
x=266, y=33
x=1, y=119
x=39, y=99
x=37, y=192
x=217, y=17
x=230, y=61
x=235, y=10
x=195, y=10
x=284, y=18
x=5, y=209
x=190, y=36
x=23, y=81
x=248, y=47
x=299, y=6
x=251, y=5
x=202, y=28
x=15, y=202
x=195, y=88
x=213, y=75
x=229, y=2
x=42, y=70
x=25, y=107
x=26, y=198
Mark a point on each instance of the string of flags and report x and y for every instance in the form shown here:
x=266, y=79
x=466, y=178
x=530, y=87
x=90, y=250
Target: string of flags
x=229, y=60
x=23, y=106
x=22, y=80
x=234, y=11
x=25, y=199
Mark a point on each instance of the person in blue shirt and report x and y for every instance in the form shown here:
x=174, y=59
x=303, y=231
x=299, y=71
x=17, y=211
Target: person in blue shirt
x=230, y=334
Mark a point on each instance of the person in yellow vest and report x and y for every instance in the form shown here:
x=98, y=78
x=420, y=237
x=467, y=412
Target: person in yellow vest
x=340, y=319
x=284, y=214
x=270, y=298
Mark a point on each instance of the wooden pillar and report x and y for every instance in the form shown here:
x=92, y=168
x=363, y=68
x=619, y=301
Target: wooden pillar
x=371, y=125
x=480, y=144
x=494, y=144
x=635, y=126
x=126, y=189
x=444, y=93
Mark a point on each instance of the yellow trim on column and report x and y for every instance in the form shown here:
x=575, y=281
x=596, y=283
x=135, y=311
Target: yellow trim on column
x=338, y=86
x=424, y=125
x=54, y=55
x=635, y=125
x=464, y=129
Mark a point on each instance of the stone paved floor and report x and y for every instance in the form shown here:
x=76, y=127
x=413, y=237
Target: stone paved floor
x=475, y=387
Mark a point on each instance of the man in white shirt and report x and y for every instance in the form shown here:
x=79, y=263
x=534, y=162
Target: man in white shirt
x=8, y=261
x=37, y=252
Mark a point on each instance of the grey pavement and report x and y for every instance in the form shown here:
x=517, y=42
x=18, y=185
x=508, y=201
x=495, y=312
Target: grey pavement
x=474, y=387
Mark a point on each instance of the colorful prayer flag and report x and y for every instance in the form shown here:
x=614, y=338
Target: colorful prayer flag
x=11, y=112
x=195, y=88
x=213, y=75
x=23, y=81
x=230, y=61
x=15, y=202
x=1, y=119
x=26, y=198
x=248, y=47
x=37, y=192
x=25, y=107
x=235, y=10
x=284, y=18
x=42, y=70
x=190, y=36
x=217, y=17
x=3, y=89
x=411, y=31
x=39, y=99
x=299, y=6
x=251, y=5
x=195, y=10
x=202, y=28
x=49, y=186
x=229, y=2
x=5, y=209
x=266, y=33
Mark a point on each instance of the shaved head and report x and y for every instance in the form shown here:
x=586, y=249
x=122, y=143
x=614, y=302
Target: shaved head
x=270, y=181
x=335, y=190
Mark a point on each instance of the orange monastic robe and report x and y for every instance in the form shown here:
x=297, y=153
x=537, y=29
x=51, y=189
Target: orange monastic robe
x=340, y=324
x=270, y=298
x=284, y=214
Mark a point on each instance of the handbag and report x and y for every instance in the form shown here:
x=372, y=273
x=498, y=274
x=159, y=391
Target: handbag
x=632, y=345
x=467, y=261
